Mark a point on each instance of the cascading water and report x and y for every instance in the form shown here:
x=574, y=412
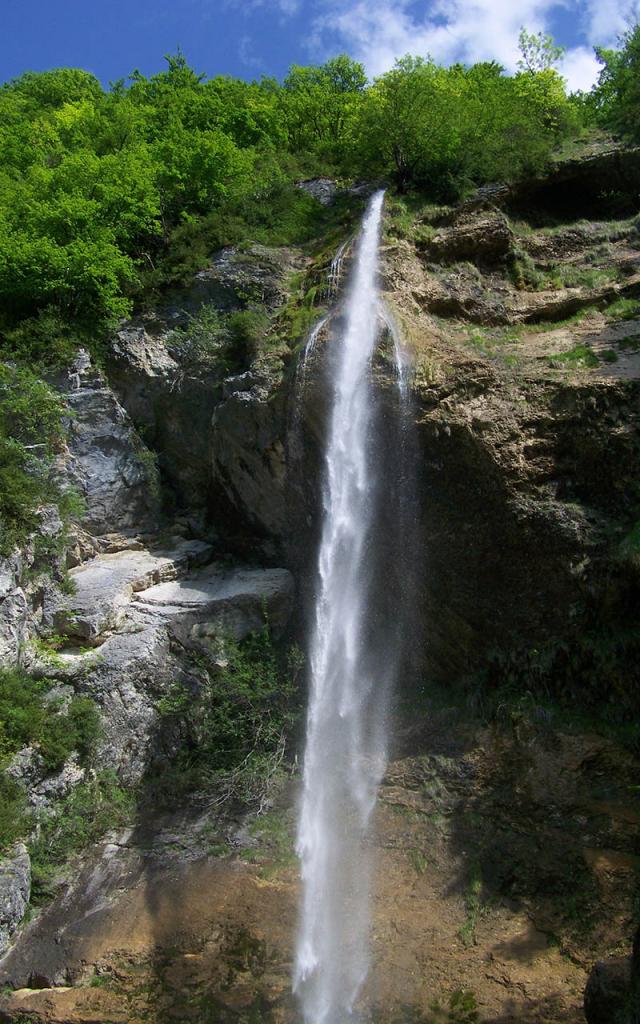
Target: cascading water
x=345, y=748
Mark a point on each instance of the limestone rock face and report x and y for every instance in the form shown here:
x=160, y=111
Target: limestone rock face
x=324, y=190
x=104, y=586
x=108, y=462
x=249, y=462
x=176, y=400
x=15, y=890
x=14, y=609
x=484, y=237
x=143, y=611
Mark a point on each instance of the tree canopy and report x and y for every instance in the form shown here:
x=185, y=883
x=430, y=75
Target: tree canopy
x=106, y=195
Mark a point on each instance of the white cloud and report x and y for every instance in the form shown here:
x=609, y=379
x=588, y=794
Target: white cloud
x=286, y=8
x=377, y=32
x=607, y=21
x=248, y=55
x=580, y=68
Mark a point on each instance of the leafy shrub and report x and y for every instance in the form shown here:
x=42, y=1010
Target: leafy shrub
x=45, y=340
x=57, y=731
x=82, y=818
x=14, y=818
x=31, y=432
x=237, y=726
x=226, y=341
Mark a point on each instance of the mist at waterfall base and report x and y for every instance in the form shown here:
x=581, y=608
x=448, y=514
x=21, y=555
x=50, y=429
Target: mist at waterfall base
x=354, y=647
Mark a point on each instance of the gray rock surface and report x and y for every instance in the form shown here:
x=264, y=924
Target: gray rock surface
x=214, y=602
x=175, y=398
x=15, y=890
x=146, y=620
x=104, y=585
x=323, y=189
x=108, y=461
x=43, y=788
x=14, y=610
x=480, y=237
x=249, y=462
x=28, y=591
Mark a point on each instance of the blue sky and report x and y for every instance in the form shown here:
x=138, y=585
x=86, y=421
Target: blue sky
x=254, y=37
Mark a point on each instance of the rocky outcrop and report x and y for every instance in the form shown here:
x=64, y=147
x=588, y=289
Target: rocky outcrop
x=103, y=587
x=613, y=989
x=602, y=181
x=174, y=399
x=324, y=190
x=606, y=996
x=28, y=768
x=143, y=611
x=28, y=587
x=485, y=237
x=248, y=454
x=107, y=462
x=15, y=890
x=14, y=610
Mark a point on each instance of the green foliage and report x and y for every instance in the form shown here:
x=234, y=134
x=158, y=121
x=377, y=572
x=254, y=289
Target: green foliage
x=624, y=309
x=579, y=357
x=237, y=725
x=445, y=129
x=224, y=340
x=474, y=906
x=14, y=818
x=461, y=1008
x=82, y=818
x=616, y=98
x=108, y=195
x=538, y=52
x=31, y=432
x=56, y=729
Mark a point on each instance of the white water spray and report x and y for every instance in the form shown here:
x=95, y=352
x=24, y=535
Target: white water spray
x=345, y=751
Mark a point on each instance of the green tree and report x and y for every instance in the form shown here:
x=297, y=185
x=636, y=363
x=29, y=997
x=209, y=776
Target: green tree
x=616, y=97
x=538, y=52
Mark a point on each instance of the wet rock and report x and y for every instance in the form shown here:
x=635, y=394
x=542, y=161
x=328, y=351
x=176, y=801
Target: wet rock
x=15, y=890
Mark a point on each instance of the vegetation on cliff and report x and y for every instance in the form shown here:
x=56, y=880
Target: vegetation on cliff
x=103, y=192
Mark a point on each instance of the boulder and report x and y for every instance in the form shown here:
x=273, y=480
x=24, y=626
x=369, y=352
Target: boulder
x=15, y=890
x=607, y=994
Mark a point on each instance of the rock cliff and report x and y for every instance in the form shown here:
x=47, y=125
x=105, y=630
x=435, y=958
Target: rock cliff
x=508, y=819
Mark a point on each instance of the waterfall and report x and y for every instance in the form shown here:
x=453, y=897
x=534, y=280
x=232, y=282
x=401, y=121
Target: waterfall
x=345, y=744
